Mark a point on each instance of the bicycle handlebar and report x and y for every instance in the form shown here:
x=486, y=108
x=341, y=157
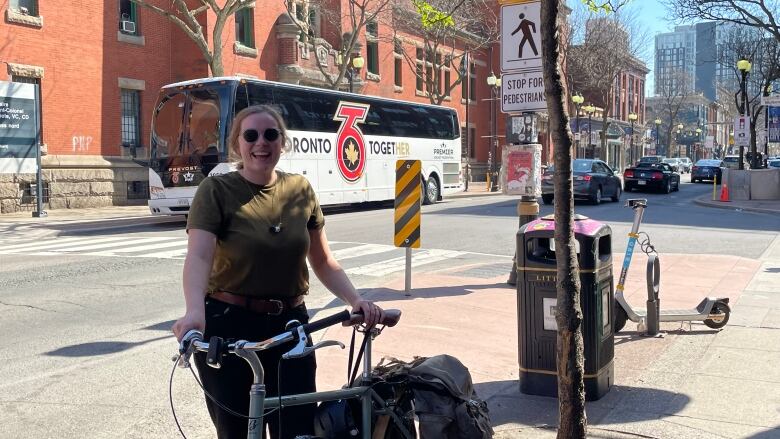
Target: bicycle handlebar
x=193, y=339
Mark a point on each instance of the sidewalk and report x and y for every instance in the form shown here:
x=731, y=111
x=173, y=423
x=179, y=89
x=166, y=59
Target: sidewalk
x=691, y=382
x=760, y=206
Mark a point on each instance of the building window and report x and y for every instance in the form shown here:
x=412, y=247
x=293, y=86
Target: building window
x=245, y=27
x=398, y=55
x=473, y=82
x=128, y=17
x=25, y=7
x=447, y=83
x=372, y=47
x=131, y=111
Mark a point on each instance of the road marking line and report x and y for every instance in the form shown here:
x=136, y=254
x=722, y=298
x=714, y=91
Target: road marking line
x=58, y=243
x=114, y=244
x=382, y=268
x=139, y=248
x=361, y=250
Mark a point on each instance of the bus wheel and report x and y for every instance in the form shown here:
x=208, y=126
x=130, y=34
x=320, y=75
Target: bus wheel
x=431, y=190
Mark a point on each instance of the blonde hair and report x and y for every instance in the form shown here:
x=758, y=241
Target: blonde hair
x=235, y=130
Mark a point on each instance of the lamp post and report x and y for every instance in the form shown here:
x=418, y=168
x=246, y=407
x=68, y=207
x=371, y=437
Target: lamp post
x=590, y=109
x=679, y=132
x=744, y=66
x=495, y=85
x=578, y=100
x=767, y=92
x=657, y=135
x=698, y=144
x=354, y=69
x=632, y=117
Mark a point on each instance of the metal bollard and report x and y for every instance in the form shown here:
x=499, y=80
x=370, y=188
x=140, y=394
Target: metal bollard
x=527, y=210
x=653, y=301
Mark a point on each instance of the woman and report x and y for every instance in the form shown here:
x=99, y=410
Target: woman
x=245, y=274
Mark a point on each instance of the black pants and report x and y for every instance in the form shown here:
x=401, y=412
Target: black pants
x=230, y=384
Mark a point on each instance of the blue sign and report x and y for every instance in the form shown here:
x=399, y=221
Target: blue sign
x=774, y=124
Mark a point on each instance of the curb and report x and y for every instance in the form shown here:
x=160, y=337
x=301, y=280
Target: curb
x=726, y=205
x=472, y=194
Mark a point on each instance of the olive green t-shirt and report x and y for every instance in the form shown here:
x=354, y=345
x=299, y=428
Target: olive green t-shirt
x=251, y=259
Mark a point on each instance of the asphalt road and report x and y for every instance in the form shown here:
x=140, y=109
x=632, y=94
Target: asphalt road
x=87, y=320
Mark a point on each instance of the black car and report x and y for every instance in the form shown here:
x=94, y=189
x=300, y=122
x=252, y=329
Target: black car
x=706, y=169
x=659, y=176
x=593, y=180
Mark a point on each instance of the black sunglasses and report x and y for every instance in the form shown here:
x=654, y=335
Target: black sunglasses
x=251, y=135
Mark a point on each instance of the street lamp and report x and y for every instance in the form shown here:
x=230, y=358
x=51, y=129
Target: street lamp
x=354, y=69
x=632, y=117
x=590, y=109
x=657, y=135
x=698, y=145
x=744, y=67
x=578, y=100
x=679, y=132
x=495, y=85
x=767, y=92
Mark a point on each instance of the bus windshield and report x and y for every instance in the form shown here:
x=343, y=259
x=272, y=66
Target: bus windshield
x=186, y=133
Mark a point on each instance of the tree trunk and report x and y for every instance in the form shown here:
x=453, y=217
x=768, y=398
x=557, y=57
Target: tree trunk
x=572, y=421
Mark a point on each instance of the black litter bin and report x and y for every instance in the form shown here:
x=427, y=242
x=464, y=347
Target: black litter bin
x=537, y=298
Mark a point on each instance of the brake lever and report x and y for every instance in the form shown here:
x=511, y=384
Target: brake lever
x=187, y=347
x=301, y=350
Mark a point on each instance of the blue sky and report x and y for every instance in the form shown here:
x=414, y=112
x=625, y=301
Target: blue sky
x=654, y=18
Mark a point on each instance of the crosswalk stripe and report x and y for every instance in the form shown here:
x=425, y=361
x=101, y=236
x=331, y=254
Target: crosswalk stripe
x=361, y=250
x=382, y=268
x=113, y=244
x=40, y=243
x=59, y=243
x=140, y=248
x=178, y=253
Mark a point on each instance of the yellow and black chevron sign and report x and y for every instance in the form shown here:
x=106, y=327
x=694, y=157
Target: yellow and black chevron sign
x=407, y=203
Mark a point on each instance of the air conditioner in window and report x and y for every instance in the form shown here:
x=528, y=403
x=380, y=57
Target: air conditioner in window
x=127, y=26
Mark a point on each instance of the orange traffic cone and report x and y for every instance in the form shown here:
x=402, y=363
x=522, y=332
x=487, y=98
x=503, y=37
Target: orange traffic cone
x=724, y=192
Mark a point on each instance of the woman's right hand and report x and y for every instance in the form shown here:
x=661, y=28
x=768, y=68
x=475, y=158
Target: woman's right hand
x=191, y=320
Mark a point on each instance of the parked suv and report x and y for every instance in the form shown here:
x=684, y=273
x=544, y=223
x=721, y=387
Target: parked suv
x=732, y=162
x=652, y=159
x=674, y=163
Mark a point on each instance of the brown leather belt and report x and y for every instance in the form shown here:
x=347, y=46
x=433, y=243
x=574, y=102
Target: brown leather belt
x=273, y=307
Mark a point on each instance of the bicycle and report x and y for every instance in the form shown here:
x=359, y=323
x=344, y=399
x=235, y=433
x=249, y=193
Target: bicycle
x=373, y=406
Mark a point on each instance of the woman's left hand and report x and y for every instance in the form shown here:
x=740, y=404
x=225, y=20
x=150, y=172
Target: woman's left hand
x=372, y=313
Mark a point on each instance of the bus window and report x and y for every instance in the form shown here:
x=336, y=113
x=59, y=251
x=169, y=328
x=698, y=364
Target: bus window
x=320, y=116
x=167, y=126
x=293, y=105
x=259, y=94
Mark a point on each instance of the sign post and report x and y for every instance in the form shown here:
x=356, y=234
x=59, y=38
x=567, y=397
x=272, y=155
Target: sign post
x=408, y=175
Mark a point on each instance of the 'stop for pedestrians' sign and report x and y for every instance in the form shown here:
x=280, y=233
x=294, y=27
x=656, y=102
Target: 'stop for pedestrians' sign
x=521, y=37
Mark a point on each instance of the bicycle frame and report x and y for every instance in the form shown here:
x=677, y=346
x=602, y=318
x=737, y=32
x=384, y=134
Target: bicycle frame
x=258, y=402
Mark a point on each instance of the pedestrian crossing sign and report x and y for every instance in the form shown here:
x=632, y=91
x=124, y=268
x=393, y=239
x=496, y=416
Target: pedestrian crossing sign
x=521, y=37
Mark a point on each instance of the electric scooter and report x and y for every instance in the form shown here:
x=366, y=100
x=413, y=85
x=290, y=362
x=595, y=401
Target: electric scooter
x=713, y=311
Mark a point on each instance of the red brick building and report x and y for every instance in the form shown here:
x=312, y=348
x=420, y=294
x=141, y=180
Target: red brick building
x=100, y=65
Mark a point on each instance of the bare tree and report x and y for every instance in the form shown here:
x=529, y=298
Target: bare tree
x=612, y=44
x=448, y=31
x=186, y=18
x=760, y=14
x=673, y=92
x=759, y=47
x=572, y=420
x=350, y=18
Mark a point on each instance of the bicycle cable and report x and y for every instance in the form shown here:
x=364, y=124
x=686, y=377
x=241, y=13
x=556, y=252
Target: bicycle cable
x=645, y=244
x=209, y=396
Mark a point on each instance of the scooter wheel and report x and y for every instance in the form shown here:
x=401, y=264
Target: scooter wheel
x=718, y=308
x=620, y=318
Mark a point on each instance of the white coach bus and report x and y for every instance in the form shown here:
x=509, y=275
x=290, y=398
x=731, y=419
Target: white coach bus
x=345, y=144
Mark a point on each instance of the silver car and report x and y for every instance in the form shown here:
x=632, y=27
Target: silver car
x=674, y=163
x=685, y=164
